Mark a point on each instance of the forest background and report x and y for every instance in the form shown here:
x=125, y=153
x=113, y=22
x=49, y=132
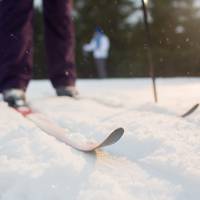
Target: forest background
x=175, y=33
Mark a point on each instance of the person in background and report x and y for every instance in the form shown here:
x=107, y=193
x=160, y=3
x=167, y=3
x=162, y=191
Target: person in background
x=16, y=48
x=100, y=46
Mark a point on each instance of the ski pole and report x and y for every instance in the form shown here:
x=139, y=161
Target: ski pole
x=149, y=50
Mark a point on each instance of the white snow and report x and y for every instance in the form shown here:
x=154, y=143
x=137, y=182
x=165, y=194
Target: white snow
x=157, y=159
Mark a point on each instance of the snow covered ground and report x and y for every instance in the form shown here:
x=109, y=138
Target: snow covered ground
x=157, y=159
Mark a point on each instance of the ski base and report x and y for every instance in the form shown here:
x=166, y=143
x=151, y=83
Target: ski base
x=61, y=134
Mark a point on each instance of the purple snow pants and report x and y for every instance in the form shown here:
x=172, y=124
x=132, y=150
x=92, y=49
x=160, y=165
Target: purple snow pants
x=16, y=43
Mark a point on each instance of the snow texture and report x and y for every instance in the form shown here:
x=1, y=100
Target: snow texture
x=157, y=159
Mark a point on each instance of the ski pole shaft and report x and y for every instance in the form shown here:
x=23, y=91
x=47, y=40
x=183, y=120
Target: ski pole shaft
x=149, y=51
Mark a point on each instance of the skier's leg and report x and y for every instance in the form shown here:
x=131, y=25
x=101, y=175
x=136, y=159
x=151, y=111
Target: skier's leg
x=59, y=36
x=15, y=43
x=101, y=67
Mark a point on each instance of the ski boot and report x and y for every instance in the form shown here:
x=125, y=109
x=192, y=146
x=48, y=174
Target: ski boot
x=17, y=100
x=69, y=91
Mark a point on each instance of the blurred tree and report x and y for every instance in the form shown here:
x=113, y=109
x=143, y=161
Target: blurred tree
x=176, y=42
x=175, y=27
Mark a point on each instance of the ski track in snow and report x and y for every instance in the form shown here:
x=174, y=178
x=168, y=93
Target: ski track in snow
x=157, y=159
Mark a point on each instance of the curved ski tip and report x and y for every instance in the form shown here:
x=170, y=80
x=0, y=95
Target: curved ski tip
x=120, y=130
x=190, y=111
x=196, y=105
x=118, y=133
x=112, y=138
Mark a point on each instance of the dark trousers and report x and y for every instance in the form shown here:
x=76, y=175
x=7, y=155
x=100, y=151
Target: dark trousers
x=16, y=42
x=101, y=67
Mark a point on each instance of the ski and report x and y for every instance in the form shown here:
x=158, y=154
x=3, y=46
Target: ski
x=63, y=135
x=190, y=111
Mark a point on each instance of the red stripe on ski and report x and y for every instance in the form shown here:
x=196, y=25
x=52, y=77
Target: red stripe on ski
x=25, y=111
